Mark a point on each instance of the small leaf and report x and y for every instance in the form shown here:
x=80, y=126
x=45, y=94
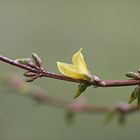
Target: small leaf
x=110, y=115
x=122, y=119
x=138, y=101
x=70, y=117
x=36, y=59
x=81, y=88
x=134, y=94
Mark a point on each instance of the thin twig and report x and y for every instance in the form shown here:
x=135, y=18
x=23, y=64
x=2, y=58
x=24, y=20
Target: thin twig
x=44, y=73
x=77, y=106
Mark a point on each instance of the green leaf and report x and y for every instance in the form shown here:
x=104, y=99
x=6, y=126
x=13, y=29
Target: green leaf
x=80, y=90
x=70, y=117
x=110, y=115
x=134, y=94
x=122, y=119
x=138, y=101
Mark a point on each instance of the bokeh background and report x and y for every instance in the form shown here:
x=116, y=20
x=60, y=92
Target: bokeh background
x=108, y=31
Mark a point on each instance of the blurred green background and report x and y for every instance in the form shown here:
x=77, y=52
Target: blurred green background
x=108, y=31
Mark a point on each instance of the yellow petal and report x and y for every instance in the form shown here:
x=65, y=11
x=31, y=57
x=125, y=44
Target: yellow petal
x=78, y=60
x=70, y=70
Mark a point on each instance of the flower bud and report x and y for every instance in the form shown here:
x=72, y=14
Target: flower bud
x=133, y=75
x=24, y=61
x=30, y=79
x=29, y=74
x=36, y=59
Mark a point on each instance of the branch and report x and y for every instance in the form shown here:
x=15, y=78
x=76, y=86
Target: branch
x=35, y=70
x=78, y=106
x=45, y=73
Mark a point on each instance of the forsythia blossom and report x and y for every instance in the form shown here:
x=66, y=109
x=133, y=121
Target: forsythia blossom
x=77, y=70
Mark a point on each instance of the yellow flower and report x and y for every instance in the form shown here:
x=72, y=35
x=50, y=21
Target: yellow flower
x=77, y=70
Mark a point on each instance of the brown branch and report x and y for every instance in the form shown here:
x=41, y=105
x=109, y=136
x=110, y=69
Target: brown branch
x=78, y=106
x=44, y=73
